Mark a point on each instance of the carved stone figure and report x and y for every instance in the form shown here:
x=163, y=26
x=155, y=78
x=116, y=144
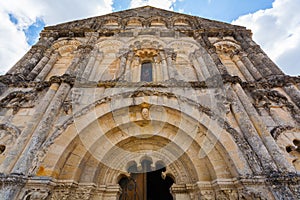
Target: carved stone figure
x=145, y=113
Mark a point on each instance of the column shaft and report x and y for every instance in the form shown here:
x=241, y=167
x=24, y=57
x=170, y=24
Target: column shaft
x=164, y=67
x=169, y=54
x=242, y=68
x=262, y=130
x=23, y=139
x=197, y=67
x=90, y=65
x=248, y=64
x=202, y=64
x=38, y=67
x=251, y=136
x=47, y=68
x=42, y=130
x=127, y=67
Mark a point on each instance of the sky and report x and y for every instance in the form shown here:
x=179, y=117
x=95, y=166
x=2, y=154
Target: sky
x=275, y=24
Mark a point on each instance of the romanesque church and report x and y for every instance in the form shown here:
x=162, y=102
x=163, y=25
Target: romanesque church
x=148, y=104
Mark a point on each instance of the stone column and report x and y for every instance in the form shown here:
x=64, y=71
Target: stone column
x=202, y=64
x=120, y=74
x=93, y=74
x=127, y=67
x=251, y=55
x=211, y=66
x=164, y=66
x=211, y=50
x=45, y=71
x=77, y=67
x=42, y=130
x=262, y=55
x=136, y=69
x=248, y=64
x=262, y=131
x=23, y=139
x=28, y=61
x=91, y=63
x=250, y=135
x=236, y=59
x=258, y=63
x=197, y=68
x=82, y=56
x=39, y=67
x=27, y=66
x=257, y=56
x=170, y=54
x=86, y=55
x=32, y=57
x=158, y=76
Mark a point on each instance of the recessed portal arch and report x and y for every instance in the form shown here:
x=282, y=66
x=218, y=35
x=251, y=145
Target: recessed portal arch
x=188, y=168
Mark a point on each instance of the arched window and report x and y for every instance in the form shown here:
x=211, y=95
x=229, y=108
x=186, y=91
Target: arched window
x=146, y=72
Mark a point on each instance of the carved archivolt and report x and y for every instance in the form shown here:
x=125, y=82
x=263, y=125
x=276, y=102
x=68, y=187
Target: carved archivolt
x=183, y=22
x=227, y=47
x=109, y=45
x=134, y=22
x=64, y=45
x=111, y=22
x=158, y=22
x=146, y=42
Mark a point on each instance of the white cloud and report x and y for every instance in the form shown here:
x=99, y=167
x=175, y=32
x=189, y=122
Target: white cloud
x=13, y=43
x=164, y=4
x=277, y=30
x=12, y=39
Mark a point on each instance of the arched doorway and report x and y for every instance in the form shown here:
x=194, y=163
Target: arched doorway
x=146, y=184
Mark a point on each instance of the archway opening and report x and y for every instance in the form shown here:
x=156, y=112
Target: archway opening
x=146, y=184
x=158, y=185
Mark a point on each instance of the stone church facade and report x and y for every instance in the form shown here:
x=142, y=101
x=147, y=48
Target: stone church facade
x=148, y=104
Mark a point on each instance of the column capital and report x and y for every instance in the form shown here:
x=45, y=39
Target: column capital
x=170, y=53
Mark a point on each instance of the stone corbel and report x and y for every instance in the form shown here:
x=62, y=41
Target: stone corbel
x=36, y=194
x=19, y=99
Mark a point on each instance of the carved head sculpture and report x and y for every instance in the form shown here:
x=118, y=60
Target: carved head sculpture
x=145, y=113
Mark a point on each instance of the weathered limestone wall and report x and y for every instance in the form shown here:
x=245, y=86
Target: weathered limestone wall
x=218, y=113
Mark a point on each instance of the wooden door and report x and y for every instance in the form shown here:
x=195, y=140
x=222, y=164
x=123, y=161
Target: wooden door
x=134, y=187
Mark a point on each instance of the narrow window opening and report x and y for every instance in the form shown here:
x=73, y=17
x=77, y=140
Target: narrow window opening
x=146, y=72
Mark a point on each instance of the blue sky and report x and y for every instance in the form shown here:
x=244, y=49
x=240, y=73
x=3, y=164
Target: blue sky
x=222, y=10
x=275, y=23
